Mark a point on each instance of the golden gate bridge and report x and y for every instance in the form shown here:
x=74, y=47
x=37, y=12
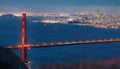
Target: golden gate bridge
x=24, y=46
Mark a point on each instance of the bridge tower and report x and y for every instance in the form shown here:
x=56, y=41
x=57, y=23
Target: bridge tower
x=24, y=38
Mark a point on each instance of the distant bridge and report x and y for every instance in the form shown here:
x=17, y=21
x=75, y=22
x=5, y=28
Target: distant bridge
x=29, y=46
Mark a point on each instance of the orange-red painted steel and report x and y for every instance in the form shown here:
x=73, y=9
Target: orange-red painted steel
x=24, y=38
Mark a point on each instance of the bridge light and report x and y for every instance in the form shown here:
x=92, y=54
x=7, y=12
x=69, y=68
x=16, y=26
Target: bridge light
x=51, y=43
x=59, y=43
x=28, y=48
x=44, y=44
x=66, y=42
x=99, y=40
x=111, y=39
x=73, y=42
x=87, y=41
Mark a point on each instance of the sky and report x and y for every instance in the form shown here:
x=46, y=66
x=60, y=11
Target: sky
x=36, y=6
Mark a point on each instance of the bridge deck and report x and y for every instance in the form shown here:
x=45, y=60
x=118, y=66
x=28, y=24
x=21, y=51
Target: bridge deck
x=65, y=43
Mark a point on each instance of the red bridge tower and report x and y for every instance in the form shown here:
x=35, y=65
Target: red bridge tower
x=24, y=38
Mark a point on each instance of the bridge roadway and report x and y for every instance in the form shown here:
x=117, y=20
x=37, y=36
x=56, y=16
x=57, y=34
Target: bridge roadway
x=29, y=46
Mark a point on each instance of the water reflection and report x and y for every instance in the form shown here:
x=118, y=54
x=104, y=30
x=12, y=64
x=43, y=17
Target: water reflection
x=99, y=64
